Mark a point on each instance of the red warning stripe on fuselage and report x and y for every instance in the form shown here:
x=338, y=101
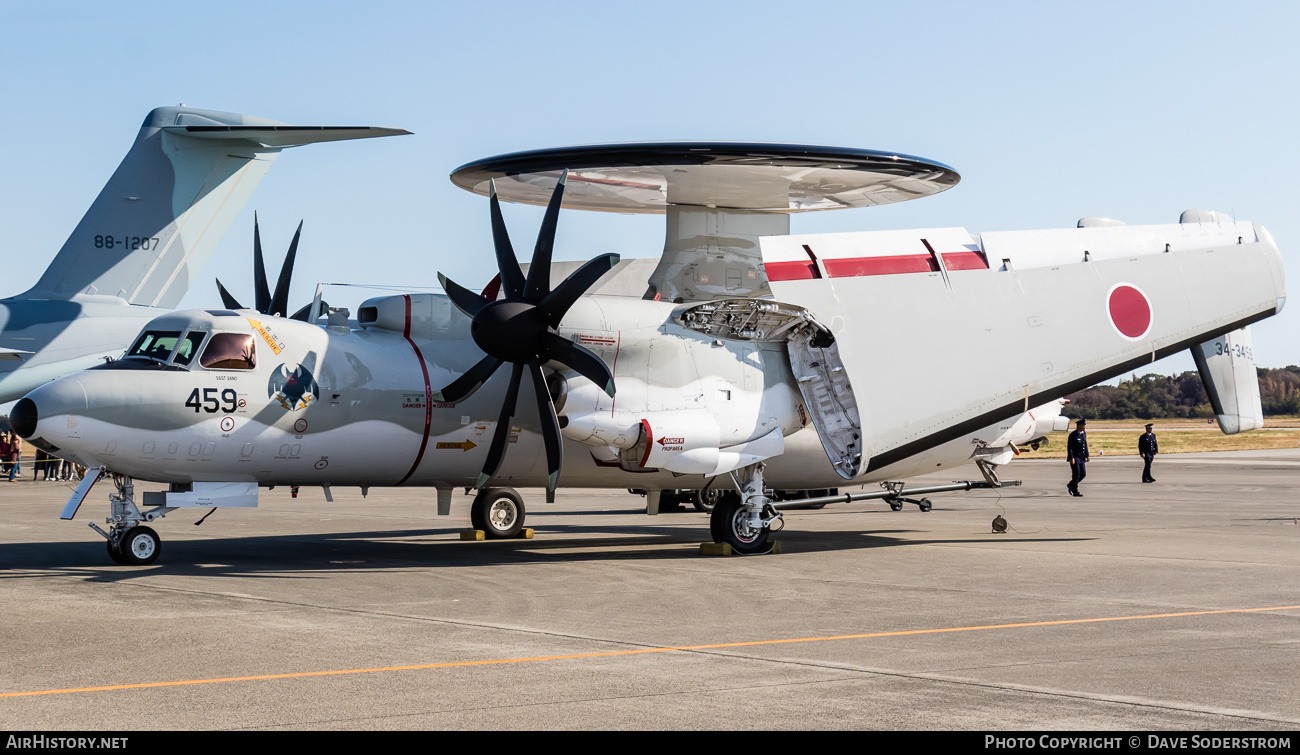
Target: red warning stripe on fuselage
x=853, y=267
x=428, y=392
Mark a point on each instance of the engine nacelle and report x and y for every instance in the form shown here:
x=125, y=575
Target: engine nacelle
x=621, y=430
x=1048, y=419
x=682, y=442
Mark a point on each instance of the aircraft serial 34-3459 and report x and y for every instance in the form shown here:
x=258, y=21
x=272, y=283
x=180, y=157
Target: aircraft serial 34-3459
x=766, y=360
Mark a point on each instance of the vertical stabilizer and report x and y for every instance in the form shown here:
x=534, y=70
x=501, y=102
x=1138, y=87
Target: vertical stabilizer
x=169, y=203
x=1227, y=367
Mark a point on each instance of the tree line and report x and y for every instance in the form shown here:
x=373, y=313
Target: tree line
x=1180, y=396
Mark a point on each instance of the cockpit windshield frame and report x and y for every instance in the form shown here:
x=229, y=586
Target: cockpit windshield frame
x=193, y=337
x=151, y=345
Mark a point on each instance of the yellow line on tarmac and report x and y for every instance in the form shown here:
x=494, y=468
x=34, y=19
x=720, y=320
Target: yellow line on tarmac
x=643, y=651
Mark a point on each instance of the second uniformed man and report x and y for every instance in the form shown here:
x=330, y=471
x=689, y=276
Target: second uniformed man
x=1076, y=452
x=1148, y=449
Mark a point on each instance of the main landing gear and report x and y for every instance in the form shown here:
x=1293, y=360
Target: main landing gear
x=499, y=512
x=744, y=520
x=130, y=543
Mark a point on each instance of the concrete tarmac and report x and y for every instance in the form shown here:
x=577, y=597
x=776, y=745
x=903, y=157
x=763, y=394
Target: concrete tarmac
x=1134, y=607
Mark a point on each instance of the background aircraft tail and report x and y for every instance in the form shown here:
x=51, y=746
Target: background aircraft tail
x=167, y=206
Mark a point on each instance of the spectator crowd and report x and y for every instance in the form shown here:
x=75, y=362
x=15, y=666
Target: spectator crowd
x=45, y=466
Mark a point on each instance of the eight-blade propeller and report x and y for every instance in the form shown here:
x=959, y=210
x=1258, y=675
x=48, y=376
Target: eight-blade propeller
x=520, y=329
x=265, y=302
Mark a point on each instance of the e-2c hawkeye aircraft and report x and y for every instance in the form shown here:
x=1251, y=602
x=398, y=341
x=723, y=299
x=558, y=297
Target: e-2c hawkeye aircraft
x=144, y=239
x=779, y=361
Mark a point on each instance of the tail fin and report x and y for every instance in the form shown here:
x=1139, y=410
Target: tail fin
x=162, y=214
x=1227, y=367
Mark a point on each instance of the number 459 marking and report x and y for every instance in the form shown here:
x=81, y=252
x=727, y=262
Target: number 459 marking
x=209, y=402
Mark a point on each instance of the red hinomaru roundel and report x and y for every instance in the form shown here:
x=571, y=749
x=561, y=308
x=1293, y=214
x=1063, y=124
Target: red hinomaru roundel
x=1130, y=311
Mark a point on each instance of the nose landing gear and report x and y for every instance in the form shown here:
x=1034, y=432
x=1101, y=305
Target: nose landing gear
x=130, y=543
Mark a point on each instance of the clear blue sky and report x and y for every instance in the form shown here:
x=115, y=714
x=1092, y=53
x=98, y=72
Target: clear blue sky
x=1050, y=111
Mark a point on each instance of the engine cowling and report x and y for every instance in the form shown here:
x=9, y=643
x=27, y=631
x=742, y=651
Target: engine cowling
x=682, y=442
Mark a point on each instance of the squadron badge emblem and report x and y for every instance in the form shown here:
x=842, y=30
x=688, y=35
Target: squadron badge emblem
x=293, y=388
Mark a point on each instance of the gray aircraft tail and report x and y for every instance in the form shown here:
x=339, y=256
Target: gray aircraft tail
x=169, y=203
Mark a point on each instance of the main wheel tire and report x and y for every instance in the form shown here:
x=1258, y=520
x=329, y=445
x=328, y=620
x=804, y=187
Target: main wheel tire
x=140, y=546
x=115, y=554
x=728, y=525
x=705, y=500
x=499, y=512
x=731, y=497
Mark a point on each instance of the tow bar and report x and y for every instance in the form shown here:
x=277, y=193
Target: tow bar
x=893, y=494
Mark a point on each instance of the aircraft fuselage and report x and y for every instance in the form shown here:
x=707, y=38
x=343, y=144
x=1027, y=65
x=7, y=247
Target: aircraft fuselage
x=338, y=407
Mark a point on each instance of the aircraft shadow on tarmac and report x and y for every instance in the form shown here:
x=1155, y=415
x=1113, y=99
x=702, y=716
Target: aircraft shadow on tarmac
x=317, y=555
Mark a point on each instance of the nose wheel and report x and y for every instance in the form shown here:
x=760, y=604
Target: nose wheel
x=138, y=546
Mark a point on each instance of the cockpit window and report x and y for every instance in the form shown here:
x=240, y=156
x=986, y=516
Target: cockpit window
x=188, y=347
x=155, y=344
x=229, y=351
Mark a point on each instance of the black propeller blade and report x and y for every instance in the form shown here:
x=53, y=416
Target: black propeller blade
x=277, y=304
x=261, y=292
x=520, y=329
x=227, y=300
x=280, y=299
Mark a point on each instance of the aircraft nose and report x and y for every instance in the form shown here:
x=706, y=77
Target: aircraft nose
x=23, y=418
x=62, y=396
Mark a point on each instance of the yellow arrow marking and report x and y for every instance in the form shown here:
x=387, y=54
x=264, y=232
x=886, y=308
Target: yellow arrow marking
x=463, y=445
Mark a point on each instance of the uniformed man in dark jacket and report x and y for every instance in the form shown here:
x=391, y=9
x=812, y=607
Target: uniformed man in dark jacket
x=1076, y=452
x=1148, y=449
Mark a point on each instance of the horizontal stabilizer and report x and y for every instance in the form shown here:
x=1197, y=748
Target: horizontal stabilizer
x=281, y=137
x=1227, y=367
x=14, y=354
